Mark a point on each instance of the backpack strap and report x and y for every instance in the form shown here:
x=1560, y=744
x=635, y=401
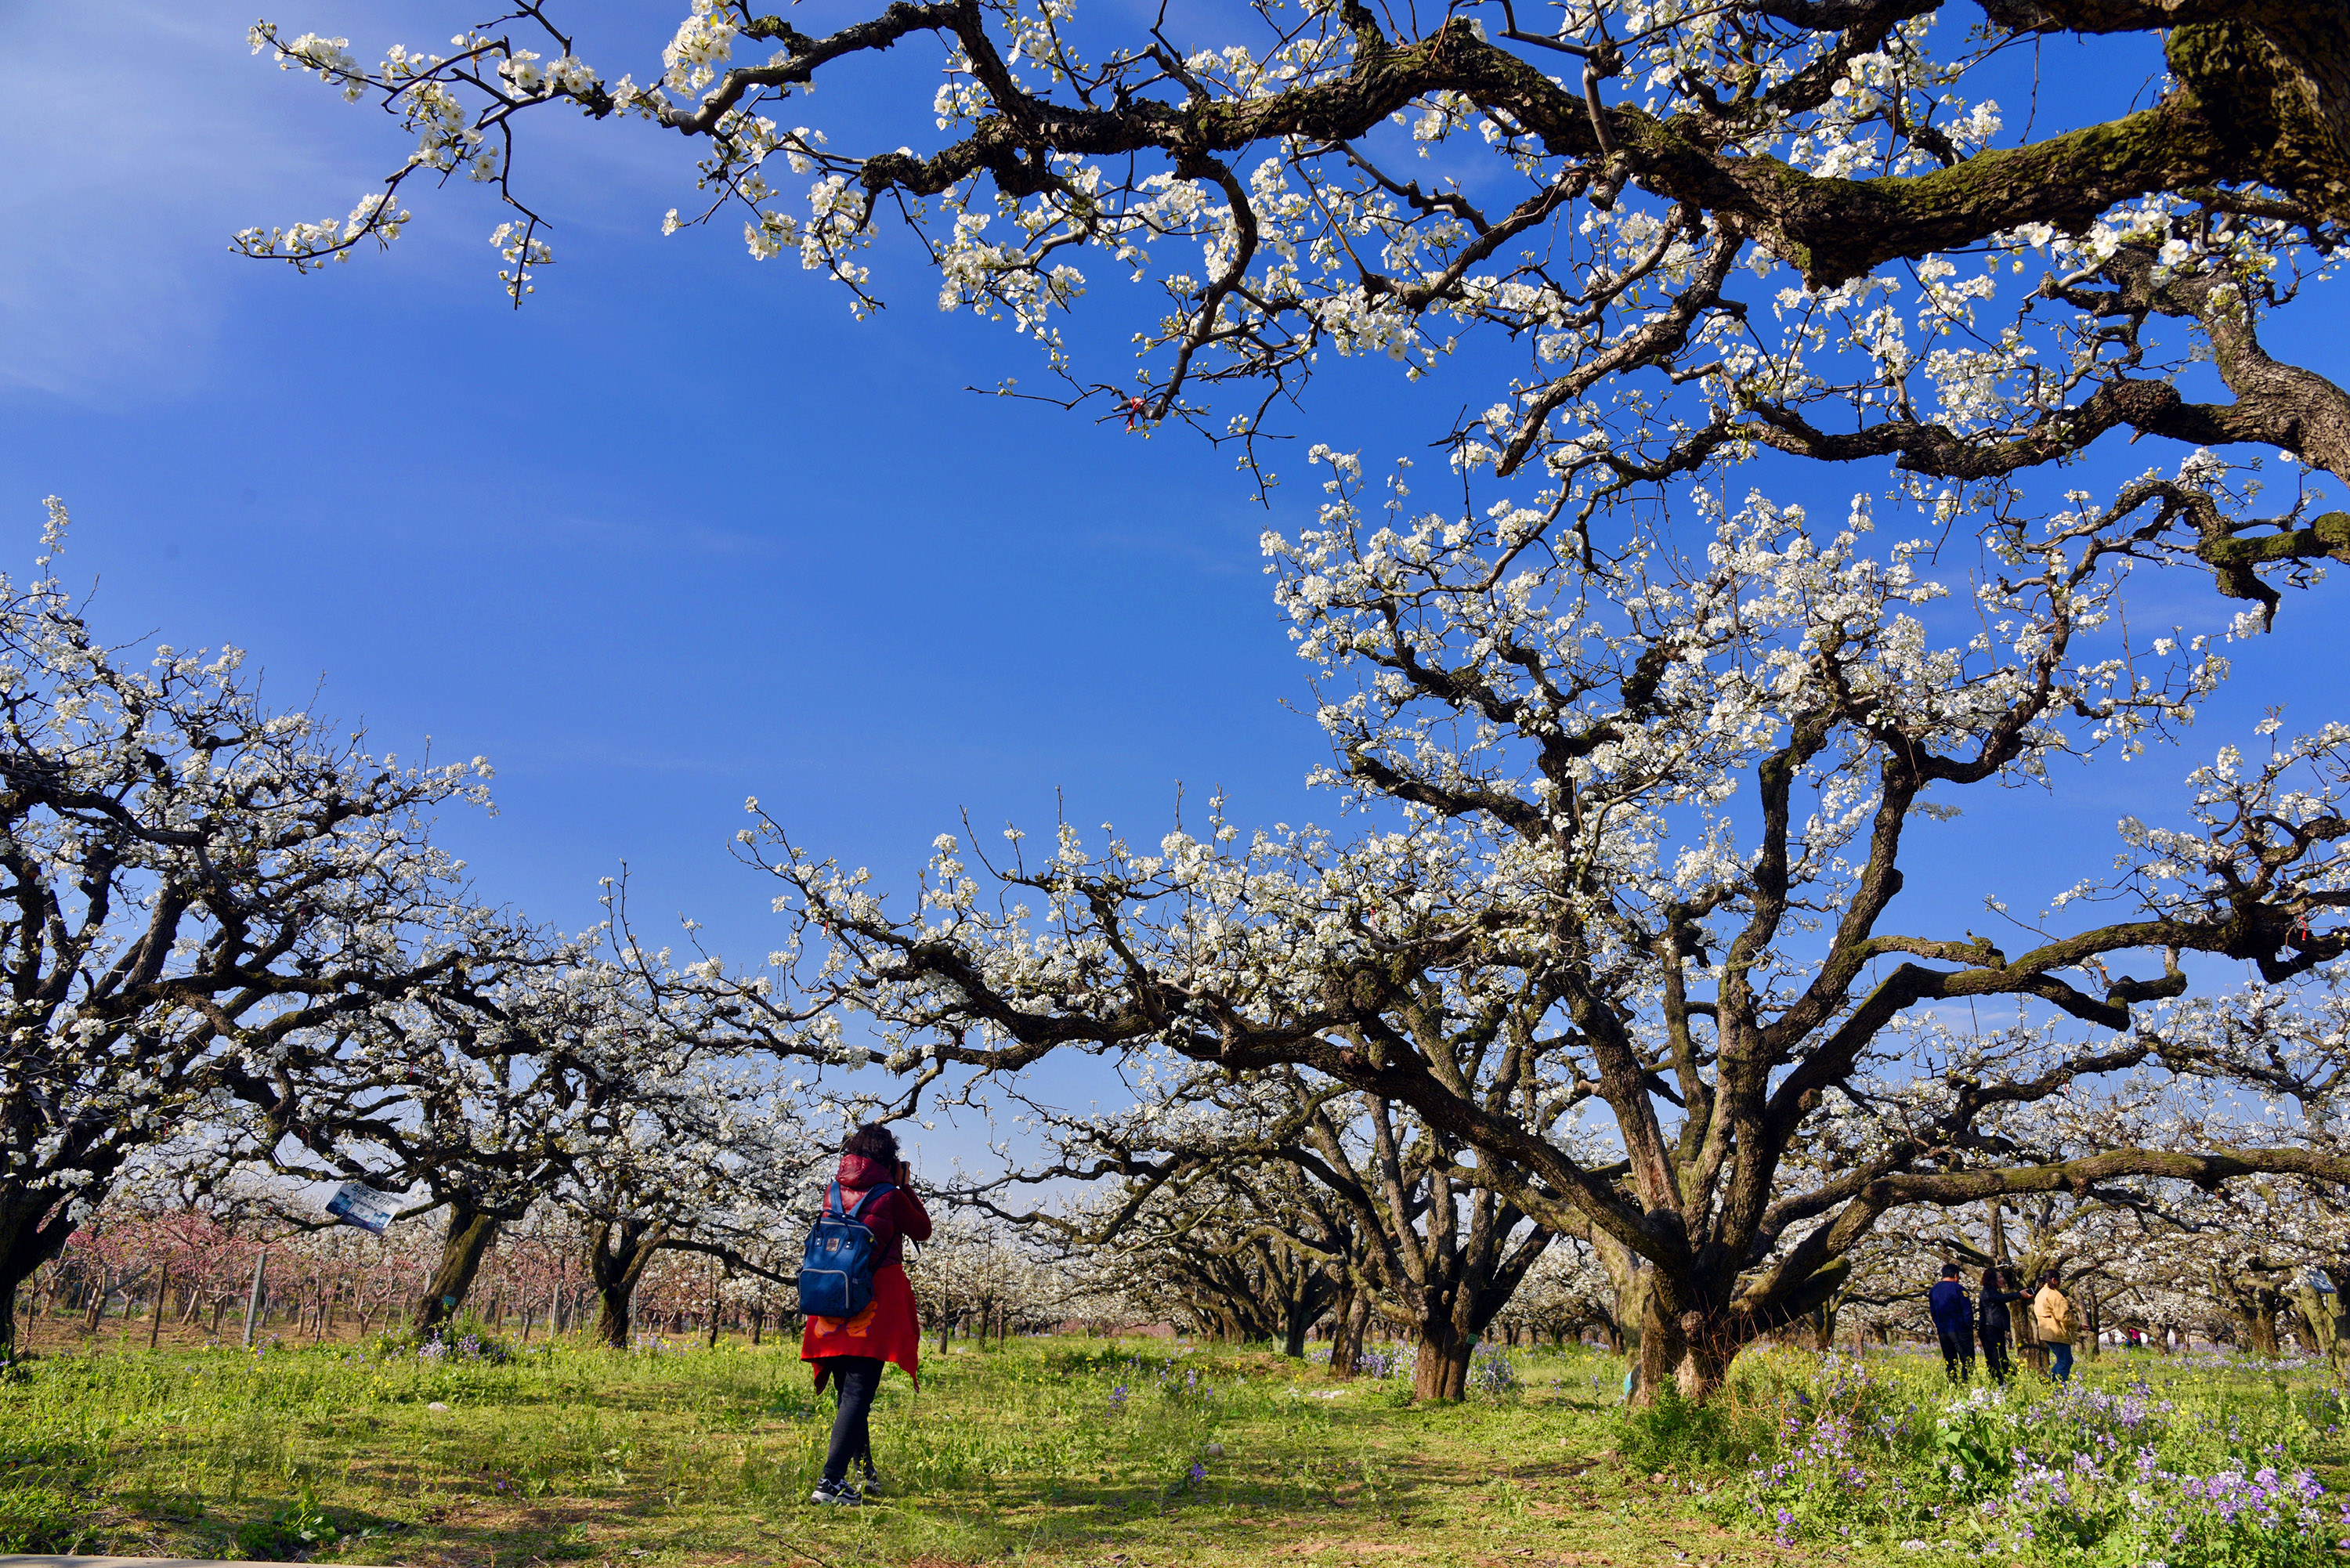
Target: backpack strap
x=832, y=1199
x=871, y=1193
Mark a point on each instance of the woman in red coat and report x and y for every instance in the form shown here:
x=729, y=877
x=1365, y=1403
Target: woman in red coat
x=851, y=1352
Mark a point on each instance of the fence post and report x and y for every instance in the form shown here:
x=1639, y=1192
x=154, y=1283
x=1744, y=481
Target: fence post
x=252, y=1299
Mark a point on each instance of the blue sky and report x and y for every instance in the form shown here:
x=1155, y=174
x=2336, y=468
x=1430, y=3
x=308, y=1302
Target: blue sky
x=677, y=533
x=681, y=531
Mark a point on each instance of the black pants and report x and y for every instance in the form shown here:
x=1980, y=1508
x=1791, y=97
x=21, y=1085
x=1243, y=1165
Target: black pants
x=1996, y=1360
x=857, y=1378
x=1959, y=1356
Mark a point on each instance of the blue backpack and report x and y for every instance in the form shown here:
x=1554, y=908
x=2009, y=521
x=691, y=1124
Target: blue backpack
x=837, y=1264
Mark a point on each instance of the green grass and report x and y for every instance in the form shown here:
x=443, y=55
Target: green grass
x=693, y=1455
x=696, y=1455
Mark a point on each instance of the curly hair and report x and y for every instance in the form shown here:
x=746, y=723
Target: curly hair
x=874, y=1141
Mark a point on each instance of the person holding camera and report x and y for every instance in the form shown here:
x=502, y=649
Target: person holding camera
x=874, y=1185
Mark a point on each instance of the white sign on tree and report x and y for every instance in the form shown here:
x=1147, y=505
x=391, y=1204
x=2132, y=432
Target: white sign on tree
x=361, y=1206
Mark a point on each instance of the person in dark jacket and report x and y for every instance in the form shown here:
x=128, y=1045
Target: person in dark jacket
x=1992, y=1325
x=852, y=1352
x=1954, y=1324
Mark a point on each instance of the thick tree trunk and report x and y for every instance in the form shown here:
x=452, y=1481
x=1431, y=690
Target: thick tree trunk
x=1687, y=1356
x=2330, y=1318
x=1441, y=1371
x=617, y=1251
x=2259, y=1328
x=613, y=1315
x=1346, y=1347
x=468, y=1238
x=1300, y=1312
x=25, y=1243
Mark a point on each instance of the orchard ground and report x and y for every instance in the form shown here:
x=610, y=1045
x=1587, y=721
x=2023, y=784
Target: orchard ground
x=1139, y=1454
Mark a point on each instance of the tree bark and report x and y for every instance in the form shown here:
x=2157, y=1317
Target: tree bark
x=256, y=1303
x=468, y=1238
x=1681, y=1354
x=2333, y=1317
x=1440, y=1370
x=1346, y=1333
x=617, y=1252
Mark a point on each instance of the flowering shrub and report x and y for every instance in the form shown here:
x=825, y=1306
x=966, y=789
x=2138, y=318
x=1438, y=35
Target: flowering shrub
x=1385, y=1361
x=2122, y=1477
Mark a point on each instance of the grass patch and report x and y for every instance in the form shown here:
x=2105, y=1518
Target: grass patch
x=1123, y=1454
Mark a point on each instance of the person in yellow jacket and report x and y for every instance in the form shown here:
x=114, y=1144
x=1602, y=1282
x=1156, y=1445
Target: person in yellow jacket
x=2052, y=1321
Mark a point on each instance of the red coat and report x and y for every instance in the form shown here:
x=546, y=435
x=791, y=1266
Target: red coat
x=889, y=1329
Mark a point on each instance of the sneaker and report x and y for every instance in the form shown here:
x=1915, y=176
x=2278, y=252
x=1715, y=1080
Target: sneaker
x=836, y=1494
x=872, y=1484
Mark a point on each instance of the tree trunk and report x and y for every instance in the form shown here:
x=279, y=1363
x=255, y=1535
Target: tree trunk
x=1440, y=1372
x=2259, y=1326
x=1694, y=1363
x=1347, y=1332
x=612, y=1313
x=462, y=1246
x=617, y=1251
x=1301, y=1310
x=255, y=1303
x=2332, y=1318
